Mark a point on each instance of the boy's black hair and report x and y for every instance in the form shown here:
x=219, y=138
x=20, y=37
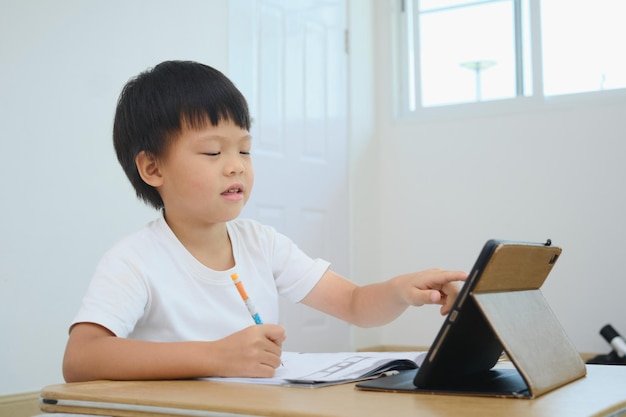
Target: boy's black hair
x=153, y=107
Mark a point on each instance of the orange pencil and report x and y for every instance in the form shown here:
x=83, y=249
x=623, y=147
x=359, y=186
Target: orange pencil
x=246, y=299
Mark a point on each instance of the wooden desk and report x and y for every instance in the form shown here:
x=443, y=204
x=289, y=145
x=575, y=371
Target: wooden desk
x=601, y=393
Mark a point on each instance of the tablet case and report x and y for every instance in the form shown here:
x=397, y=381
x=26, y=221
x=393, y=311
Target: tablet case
x=500, y=308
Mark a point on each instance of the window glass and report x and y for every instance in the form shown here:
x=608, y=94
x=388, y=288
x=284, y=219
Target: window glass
x=583, y=45
x=467, y=52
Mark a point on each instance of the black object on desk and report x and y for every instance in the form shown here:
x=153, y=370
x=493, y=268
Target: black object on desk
x=618, y=355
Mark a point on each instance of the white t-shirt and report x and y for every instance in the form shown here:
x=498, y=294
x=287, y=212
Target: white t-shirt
x=149, y=287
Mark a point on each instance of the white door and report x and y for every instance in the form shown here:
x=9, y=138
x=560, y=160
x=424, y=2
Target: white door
x=288, y=58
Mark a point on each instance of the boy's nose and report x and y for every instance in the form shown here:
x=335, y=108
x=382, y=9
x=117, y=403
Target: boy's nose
x=235, y=166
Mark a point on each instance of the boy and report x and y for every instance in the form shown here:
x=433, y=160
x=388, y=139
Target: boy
x=161, y=304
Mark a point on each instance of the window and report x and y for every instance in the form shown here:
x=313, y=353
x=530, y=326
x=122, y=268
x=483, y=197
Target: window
x=583, y=45
x=465, y=51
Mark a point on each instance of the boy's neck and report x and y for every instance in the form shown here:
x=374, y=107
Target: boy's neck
x=209, y=244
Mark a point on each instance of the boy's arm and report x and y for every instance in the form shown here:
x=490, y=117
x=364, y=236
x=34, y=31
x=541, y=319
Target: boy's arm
x=93, y=353
x=380, y=303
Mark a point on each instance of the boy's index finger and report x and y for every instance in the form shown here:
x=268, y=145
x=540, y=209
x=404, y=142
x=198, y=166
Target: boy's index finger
x=450, y=276
x=274, y=332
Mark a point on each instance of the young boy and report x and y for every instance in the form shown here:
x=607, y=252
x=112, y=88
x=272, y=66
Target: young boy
x=162, y=304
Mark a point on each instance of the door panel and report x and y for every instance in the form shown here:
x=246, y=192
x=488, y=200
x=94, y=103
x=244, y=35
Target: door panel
x=288, y=58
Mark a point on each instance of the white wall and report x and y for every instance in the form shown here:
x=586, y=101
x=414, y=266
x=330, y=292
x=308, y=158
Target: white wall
x=65, y=199
x=363, y=154
x=554, y=170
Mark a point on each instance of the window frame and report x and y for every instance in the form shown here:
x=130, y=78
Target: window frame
x=408, y=89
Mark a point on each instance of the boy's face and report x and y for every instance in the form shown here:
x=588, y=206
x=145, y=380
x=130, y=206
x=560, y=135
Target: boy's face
x=207, y=174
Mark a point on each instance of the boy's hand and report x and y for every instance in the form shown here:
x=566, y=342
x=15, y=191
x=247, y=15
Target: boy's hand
x=433, y=286
x=252, y=352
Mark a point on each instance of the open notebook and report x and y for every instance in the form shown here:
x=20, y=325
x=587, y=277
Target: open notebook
x=500, y=308
x=313, y=370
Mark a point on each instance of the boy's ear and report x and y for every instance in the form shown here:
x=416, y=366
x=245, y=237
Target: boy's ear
x=148, y=168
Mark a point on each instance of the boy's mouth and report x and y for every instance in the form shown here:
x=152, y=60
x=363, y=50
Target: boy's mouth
x=234, y=189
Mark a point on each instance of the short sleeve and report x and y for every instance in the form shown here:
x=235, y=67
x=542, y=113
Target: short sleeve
x=117, y=296
x=295, y=272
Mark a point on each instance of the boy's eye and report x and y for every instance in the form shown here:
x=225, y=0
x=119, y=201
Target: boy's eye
x=244, y=152
x=212, y=153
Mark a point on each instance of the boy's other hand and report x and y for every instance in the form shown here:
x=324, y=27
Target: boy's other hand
x=433, y=286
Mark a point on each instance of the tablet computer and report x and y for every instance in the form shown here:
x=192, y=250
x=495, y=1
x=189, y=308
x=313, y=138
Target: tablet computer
x=499, y=310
